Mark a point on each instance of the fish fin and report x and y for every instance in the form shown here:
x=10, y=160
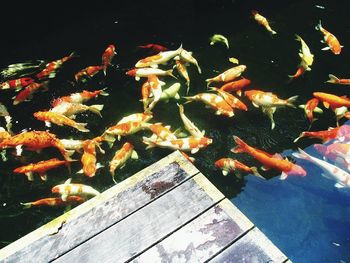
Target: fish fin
x=81, y=127
x=339, y=185
x=277, y=156
x=177, y=96
x=239, y=92
x=68, y=181
x=30, y=176
x=103, y=92
x=137, y=78
x=283, y=176
x=98, y=166
x=255, y=105
x=256, y=173
x=194, y=150
x=325, y=48
x=332, y=79
x=326, y=104
x=64, y=197
x=300, y=136
x=318, y=26
x=96, y=109
x=80, y=171
x=224, y=172
x=26, y=205
x=47, y=124
x=318, y=110
x=301, y=106
x=134, y=155
x=240, y=147
x=265, y=168
x=109, y=139
x=43, y=176
x=19, y=150
x=150, y=144
x=291, y=100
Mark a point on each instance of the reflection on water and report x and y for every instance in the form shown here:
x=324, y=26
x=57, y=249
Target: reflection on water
x=269, y=61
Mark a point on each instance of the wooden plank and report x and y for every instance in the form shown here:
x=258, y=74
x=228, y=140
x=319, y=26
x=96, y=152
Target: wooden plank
x=253, y=247
x=149, y=225
x=202, y=238
x=100, y=212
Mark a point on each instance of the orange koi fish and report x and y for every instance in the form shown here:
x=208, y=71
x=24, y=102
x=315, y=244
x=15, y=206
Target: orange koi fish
x=228, y=75
x=263, y=21
x=67, y=189
x=236, y=86
x=89, y=159
x=79, y=97
x=215, y=102
x=26, y=94
x=228, y=165
x=160, y=132
x=300, y=71
x=107, y=57
x=121, y=156
x=35, y=140
x=269, y=161
x=310, y=107
x=231, y=100
x=41, y=168
x=51, y=117
x=191, y=144
x=160, y=58
x=145, y=72
x=187, y=57
x=16, y=83
x=54, y=201
x=325, y=136
x=70, y=109
x=335, y=80
x=331, y=100
x=51, y=68
x=330, y=40
x=154, y=47
x=87, y=72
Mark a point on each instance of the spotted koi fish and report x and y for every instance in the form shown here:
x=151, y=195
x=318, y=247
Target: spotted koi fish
x=181, y=68
x=88, y=159
x=68, y=189
x=123, y=129
x=228, y=165
x=231, y=100
x=27, y=92
x=51, y=68
x=330, y=40
x=145, y=72
x=70, y=109
x=87, y=72
x=228, y=75
x=16, y=84
x=160, y=58
x=160, y=132
x=79, y=97
x=263, y=21
x=187, y=57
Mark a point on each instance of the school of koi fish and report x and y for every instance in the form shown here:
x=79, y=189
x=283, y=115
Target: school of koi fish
x=223, y=94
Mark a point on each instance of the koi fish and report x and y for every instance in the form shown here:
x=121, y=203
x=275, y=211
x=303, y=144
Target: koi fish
x=4, y=134
x=181, y=68
x=156, y=90
x=70, y=109
x=107, y=57
x=263, y=21
x=16, y=83
x=51, y=117
x=145, y=72
x=310, y=107
x=268, y=99
x=79, y=97
x=8, y=119
x=167, y=94
x=331, y=100
x=300, y=71
x=22, y=69
x=145, y=93
x=233, y=60
x=305, y=54
x=340, y=113
x=88, y=159
x=87, y=72
x=41, y=168
x=236, y=86
x=154, y=47
x=160, y=58
x=335, y=80
x=54, y=201
x=228, y=75
x=228, y=165
x=122, y=129
x=187, y=57
x=325, y=136
x=27, y=93
x=330, y=40
x=67, y=189
x=136, y=117
x=35, y=140
x=231, y=100
x=191, y=144
x=219, y=38
x=213, y=101
x=71, y=144
x=339, y=153
x=121, y=156
x=331, y=171
x=51, y=68
x=189, y=125
x=160, y=132
x=269, y=161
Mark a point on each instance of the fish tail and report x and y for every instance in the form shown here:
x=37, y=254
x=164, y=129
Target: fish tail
x=103, y=92
x=209, y=81
x=256, y=173
x=291, y=100
x=332, y=79
x=301, y=135
x=81, y=127
x=26, y=205
x=189, y=99
x=297, y=37
x=181, y=108
x=109, y=139
x=96, y=109
x=319, y=25
x=273, y=32
x=241, y=145
x=301, y=154
x=170, y=73
x=150, y=144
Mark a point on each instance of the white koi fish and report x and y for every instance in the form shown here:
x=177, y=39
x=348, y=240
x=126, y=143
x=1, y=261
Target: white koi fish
x=67, y=189
x=219, y=38
x=145, y=72
x=189, y=125
x=305, y=54
x=187, y=57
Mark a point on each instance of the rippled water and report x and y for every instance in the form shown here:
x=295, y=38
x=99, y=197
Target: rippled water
x=88, y=30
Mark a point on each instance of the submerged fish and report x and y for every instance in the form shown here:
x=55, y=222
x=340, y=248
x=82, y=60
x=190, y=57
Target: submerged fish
x=218, y=38
x=68, y=189
x=330, y=40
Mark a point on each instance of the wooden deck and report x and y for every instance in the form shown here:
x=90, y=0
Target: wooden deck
x=168, y=212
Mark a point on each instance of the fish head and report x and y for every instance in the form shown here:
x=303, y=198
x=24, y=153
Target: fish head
x=254, y=12
x=297, y=170
x=220, y=163
x=131, y=72
x=55, y=189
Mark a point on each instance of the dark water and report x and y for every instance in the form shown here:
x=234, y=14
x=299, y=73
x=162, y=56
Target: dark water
x=89, y=28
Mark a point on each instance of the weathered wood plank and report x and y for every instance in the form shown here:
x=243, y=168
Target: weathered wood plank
x=202, y=238
x=149, y=225
x=253, y=247
x=101, y=211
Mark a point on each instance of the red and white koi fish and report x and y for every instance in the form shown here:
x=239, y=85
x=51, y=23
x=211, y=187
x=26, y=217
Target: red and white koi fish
x=325, y=136
x=51, y=68
x=187, y=57
x=145, y=93
x=181, y=68
x=136, y=117
x=145, y=72
x=228, y=165
x=160, y=132
x=68, y=189
x=335, y=80
x=236, y=86
x=51, y=117
x=215, y=102
x=268, y=99
x=339, y=153
x=122, y=129
x=154, y=47
x=228, y=75
x=231, y=100
x=330, y=40
x=263, y=21
x=8, y=119
x=41, y=168
x=87, y=72
x=156, y=90
x=35, y=140
x=16, y=83
x=88, y=159
x=107, y=57
x=189, y=125
x=54, y=201
x=331, y=100
x=79, y=97
x=310, y=107
x=70, y=109
x=191, y=144
x=269, y=161
x=331, y=171
x=121, y=156
x=160, y=58
x=27, y=93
